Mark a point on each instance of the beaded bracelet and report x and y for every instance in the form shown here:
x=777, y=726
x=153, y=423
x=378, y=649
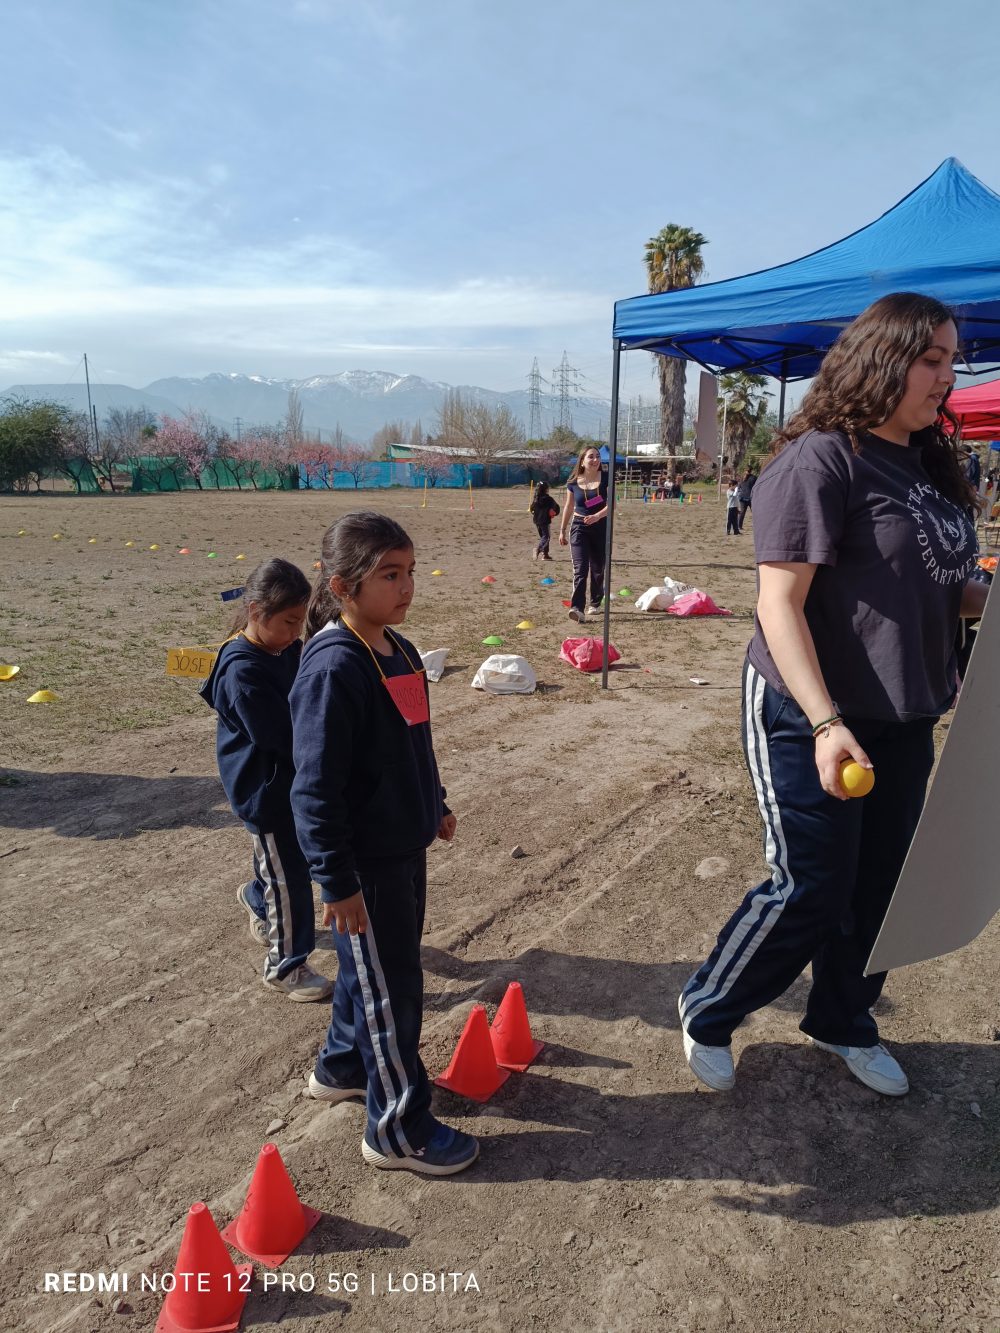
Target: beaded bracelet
x=826, y=724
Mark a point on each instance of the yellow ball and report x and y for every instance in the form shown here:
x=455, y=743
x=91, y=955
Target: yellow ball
x=854, y=779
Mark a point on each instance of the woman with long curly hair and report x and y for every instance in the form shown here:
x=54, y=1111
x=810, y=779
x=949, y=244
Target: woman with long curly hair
x=864, y=552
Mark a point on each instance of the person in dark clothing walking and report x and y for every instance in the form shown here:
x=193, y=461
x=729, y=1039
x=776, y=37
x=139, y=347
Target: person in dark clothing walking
x=744, y=493
x=587, y=508
x=543, y=510
x=248, y=688
x=864, y=557
x=368, y=802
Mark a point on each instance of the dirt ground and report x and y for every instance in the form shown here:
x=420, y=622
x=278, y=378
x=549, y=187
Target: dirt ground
x=143, y=1061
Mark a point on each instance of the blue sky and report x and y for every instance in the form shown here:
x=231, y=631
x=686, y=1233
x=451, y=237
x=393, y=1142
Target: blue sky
x=446, y=188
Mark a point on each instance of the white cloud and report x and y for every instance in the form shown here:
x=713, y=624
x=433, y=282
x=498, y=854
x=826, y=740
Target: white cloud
x=143, y=263
x=18, y=363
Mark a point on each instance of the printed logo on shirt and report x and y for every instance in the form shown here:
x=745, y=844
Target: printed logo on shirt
x=946, y=539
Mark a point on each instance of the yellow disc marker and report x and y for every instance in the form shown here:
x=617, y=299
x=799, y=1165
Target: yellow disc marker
x=526, y=624
x=241, y=557
x=8, y=671
x=57, y=536
x=22, y=532
x=91, y=541
x=43, y=697
x=130, y=543
x=436, y=573
x=154, y=548
x=854, y=779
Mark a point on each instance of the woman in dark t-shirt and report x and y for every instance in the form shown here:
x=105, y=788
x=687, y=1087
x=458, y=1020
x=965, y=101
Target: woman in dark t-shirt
x=587, y=508
x=864, y=554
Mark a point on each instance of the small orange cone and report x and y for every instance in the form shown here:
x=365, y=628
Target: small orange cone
x=210, y=1291
x=513, y=1044
x=273, y=1221
x=474, y=1072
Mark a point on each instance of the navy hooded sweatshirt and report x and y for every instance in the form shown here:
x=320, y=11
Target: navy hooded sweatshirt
x=366, y=783
x=248, y=688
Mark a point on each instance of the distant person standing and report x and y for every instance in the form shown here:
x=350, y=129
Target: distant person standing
x=543, y=510
x=587, y=508
x=745, y=491
x=971, y=466
x=733, y=510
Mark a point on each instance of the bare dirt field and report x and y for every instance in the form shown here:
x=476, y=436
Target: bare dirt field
x=143, y=1061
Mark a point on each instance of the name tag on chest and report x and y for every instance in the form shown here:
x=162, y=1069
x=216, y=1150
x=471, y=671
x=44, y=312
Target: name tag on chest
x=409, y=694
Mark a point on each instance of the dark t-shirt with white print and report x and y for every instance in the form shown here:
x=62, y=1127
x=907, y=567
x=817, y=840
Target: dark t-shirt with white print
x=893, y=556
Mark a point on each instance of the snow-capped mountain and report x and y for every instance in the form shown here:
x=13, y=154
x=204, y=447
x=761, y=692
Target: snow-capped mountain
x=359, y=401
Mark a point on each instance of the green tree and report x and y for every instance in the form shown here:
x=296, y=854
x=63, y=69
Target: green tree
x=673, y=260
x=745, y=398
x=38, y=438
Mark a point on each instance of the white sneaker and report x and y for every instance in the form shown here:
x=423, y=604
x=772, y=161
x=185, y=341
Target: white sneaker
x=593, y=612
x=713, y=1065
x=871, y=1065
x=302, y=984
x=257, y=925
x=323, y=1092
x=576, y=615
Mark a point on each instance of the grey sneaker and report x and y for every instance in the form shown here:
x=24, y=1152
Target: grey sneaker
x=871, y=1065
x=258, y=926
x=448, y=1152
x=574, y=614
x=302, y=984
x=326, y=1092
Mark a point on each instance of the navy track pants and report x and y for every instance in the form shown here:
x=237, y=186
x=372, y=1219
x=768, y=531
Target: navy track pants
x=282, y=895
x=378, y=1002
x=834, y=866
x=587, y=547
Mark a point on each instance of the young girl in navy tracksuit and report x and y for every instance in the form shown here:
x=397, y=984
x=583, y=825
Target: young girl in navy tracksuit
x=543, y=510
x=368, y=802
x=248, y=688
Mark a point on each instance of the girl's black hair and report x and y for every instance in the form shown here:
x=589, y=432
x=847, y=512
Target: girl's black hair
x=351, y=550
x=275, y=586
x=541, y=493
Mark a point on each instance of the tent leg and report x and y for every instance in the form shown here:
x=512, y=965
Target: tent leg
x=609, y=538
x=781, y=404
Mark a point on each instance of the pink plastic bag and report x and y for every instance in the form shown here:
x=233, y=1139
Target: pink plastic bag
x=696, y=603
x=587, y=654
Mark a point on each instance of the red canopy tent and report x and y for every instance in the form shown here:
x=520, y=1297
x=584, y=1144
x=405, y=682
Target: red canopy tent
x=978, y=409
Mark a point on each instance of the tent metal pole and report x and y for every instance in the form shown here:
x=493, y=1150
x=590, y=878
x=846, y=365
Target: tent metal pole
x=781, y=397
x=609, y=537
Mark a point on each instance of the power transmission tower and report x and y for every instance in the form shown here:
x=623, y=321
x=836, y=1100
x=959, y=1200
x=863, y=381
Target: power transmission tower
x=565, y=386
x=535, y=382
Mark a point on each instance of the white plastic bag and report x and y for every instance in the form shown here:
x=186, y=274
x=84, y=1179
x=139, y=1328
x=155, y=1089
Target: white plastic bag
x=672, y=585
x=505, y=673
x=434, y=663
x=655, y=599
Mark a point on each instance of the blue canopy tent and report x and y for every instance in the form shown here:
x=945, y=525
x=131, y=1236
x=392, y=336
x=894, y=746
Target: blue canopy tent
x=942, y=239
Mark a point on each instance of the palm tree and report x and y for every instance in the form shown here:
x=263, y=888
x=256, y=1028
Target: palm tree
x=745, y=398
x=673, y=260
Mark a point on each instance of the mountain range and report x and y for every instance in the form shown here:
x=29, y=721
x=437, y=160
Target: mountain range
x=359, y=401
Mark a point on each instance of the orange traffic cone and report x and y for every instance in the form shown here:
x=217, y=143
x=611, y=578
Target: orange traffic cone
x=513, y=1044
x=474, y=1072
x=273, y=1221
x=209, y=1291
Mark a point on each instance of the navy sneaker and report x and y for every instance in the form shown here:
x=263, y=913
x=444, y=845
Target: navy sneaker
x=326, y=1092
x=446, y=1153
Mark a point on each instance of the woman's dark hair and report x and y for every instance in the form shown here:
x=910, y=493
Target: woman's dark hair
x=351, y=550
x=274, y=586
x=863, y=378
